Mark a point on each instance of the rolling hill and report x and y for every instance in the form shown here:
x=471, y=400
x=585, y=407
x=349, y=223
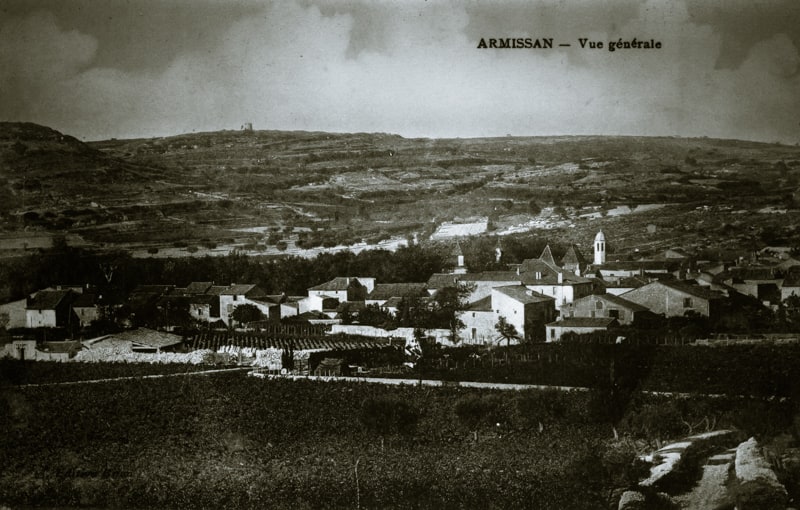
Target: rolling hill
x=206, y=187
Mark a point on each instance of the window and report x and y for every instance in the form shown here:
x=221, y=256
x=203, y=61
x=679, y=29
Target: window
x=474, y=333
x=598, y=305
x=614, y=313
x=538, y=275
x=236, y=298
x=473, y=314
x=687, y=302
x=552, y=333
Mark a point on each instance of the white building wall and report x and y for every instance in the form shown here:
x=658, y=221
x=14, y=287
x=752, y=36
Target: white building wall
x=87, y=315
x=40, y=318
x=478, y=327
x=201, y=312
x=511, y=309
x=313, y=303
x=563, y=294
x=289, y=310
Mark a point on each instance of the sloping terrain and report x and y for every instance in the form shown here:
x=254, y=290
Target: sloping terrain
x=203, y=188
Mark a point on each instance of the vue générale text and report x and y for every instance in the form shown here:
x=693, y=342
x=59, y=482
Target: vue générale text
x=505, y=43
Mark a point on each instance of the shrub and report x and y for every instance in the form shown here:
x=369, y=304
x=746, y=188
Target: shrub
x=387, y=416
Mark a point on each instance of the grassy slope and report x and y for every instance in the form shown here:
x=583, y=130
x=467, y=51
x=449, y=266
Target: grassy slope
x=196, y=186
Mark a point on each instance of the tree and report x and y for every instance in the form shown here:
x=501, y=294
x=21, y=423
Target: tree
x=506, y=331
x=446, y=305
x=533, y=207
x=247, y=313
x=373, y=315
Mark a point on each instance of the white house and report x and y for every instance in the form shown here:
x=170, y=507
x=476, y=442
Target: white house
x=237, y=295
x=345, y=288
x=526, y=310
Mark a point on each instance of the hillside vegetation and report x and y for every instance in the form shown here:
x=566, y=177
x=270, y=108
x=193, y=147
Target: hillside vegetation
x=200, y=188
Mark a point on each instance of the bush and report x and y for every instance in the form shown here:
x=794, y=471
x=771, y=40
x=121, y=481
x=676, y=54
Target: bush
x=386, y=416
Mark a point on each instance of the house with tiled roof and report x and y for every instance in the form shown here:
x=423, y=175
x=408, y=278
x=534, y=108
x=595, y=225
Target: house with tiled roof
x=482, y=283
x=204, y=307
x=673, y=298
x=623, y=285
x=345, y=288
x=528, y=311
x=439, y=281
x=49, y=309
x=579, y=326
x=479, y=320
x=240, y=294
x=618, y=269
x=563, y=286
x=763, y=283
x=386, y=291
x=606, y=305
x=85, y=309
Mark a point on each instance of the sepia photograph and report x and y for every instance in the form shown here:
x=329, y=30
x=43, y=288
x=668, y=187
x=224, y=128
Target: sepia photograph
x=421, y=254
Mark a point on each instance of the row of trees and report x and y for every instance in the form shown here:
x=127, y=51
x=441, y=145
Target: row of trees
x=120, y=272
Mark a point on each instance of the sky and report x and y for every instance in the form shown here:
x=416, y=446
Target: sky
x=144, y=68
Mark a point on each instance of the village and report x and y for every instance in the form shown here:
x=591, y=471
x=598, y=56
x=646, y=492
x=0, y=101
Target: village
x=540, y=300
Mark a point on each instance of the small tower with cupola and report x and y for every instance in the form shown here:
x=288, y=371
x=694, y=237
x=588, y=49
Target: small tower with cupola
x=599, y=248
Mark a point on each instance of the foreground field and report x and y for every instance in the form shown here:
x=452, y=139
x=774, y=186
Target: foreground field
x=227, y=441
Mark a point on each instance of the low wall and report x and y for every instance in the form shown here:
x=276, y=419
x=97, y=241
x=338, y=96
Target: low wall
x=442, y=336
x=119, y=356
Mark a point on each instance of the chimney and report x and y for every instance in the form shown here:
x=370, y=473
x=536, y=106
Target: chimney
x=560, y=277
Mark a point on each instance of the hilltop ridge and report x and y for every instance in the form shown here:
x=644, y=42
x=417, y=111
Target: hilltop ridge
x=262, y=188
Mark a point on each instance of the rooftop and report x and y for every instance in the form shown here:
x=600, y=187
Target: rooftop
x=46, y=299
x=611, y=298
x=523, y=294
x=390, y=290
x=242, y=289
x=481, y=305
x=338, y=283
x=198, y=287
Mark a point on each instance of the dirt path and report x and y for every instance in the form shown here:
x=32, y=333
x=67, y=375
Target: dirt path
x=710, y=493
